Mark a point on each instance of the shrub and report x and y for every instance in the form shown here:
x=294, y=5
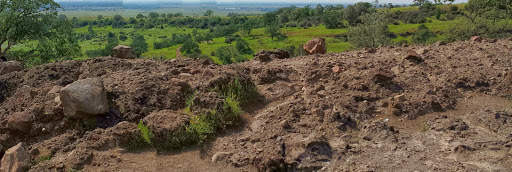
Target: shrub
x=422, y=35
x=373, y=32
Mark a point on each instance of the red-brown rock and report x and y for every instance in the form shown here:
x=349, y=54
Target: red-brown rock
x=316, y=46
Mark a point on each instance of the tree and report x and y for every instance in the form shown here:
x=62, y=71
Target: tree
x=139, y=45
x=332, y=20
x=118, y=18
x=319, y=10
x=422, y=35
x=248, y=26
x=189, y=47
x=228, y=55
x=22, y=21
x=243, y=46
x=100, y=17
x=208, y=13
x=153, y=15
x=372, y=32
x=274, y=30
x=91, y=31
x=139, y=16
x=271, y=24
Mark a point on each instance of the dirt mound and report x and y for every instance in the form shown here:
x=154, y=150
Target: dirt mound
x=348, y=111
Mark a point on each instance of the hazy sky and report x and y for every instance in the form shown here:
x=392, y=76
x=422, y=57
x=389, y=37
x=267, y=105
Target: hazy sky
x=272, y=1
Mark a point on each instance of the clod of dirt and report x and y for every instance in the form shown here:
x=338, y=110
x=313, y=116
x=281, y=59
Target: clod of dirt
x=20, y=121
x=10, y=66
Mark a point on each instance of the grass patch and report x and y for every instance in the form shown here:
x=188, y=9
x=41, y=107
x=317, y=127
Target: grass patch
x=145, y=133
x=43, y=158
x=202, y=126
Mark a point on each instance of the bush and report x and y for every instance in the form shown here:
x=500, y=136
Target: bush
x=243, y=46
x=228, y=55
x=422, y=35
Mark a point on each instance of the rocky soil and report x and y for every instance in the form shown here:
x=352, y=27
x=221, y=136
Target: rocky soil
x=420, y=108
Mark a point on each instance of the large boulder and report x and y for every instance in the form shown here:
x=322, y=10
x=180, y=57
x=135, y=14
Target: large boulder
x=16, y=159
x=10, y=66
x=84, y=98
x=124, y=52
x=316, y=46
x=20, y=121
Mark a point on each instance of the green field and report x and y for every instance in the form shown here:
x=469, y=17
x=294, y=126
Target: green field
x=258, y=40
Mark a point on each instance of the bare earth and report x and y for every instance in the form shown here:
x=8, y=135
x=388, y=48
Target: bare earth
x=447, y=109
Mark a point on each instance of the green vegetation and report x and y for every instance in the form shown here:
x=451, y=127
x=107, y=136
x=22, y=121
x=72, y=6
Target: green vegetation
x=36, y=21
x=202, y=126
x=372, y=32
x=43, y=158
x=159, y=33
x=145, y=133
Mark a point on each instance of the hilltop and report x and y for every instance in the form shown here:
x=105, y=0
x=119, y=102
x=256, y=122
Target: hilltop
x=437, y=107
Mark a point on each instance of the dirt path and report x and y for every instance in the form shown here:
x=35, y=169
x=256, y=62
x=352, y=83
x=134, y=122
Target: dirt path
x=189, y=160
x=178, y=53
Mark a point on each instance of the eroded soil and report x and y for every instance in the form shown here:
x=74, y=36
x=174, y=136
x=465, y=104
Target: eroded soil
x=355, y=111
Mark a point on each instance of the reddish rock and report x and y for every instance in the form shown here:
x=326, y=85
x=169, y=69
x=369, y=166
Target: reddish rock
x=336, y=69
x=316, y=46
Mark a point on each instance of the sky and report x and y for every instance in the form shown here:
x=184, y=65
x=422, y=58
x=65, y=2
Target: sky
x=269, y=1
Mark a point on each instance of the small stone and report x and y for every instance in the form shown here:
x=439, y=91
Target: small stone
x=185, y=76
x=336, y=69
x=422, y=51
x=321, y=93
x=439, y=43
x=476, y=39
x=400, y=98
x=220, y=155
x=179, y=82
x=55, y=90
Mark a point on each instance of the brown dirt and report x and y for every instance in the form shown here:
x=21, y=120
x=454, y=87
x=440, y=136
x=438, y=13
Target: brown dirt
x=447, y=110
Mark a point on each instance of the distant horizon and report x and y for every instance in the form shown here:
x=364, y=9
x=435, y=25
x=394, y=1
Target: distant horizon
x=252, y=2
